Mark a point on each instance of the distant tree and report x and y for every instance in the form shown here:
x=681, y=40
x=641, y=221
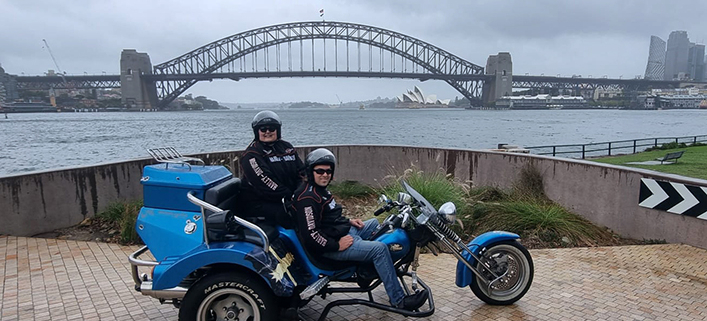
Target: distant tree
x=208, y=103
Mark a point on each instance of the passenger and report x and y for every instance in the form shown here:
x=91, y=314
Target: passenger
x=272, y=170
x=327, y=233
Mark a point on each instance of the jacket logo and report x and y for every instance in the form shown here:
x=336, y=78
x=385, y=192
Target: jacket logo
x=395, y=247
x=286, y=158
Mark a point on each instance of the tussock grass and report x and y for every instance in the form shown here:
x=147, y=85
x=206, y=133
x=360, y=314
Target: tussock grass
x=351, y=189
x=122, y=216
x=523, y=209
x=543, y=223
x=436, y=187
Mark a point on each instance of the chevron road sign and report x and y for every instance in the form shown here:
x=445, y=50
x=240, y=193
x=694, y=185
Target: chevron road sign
x=676, y=198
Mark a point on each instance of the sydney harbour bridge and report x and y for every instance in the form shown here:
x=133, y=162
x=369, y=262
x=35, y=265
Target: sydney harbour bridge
x=318, y=49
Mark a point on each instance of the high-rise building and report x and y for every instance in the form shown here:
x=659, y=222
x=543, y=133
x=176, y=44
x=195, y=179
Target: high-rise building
x=655, y=69
x=676, y=56
x=696, y=62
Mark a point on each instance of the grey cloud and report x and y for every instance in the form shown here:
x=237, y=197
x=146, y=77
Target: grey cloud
x=544, y=36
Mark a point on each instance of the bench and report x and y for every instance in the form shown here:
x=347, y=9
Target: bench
x=670, y=156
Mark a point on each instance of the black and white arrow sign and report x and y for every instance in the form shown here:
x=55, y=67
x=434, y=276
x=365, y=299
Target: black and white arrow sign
x=676, y=198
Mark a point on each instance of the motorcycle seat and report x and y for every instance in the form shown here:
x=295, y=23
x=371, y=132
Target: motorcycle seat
x=223, y=195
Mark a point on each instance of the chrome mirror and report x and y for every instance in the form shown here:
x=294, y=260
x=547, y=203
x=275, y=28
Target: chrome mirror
x=383, y=199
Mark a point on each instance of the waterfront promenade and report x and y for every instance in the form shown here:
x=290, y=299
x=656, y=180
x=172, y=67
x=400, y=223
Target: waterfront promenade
x=49, y=279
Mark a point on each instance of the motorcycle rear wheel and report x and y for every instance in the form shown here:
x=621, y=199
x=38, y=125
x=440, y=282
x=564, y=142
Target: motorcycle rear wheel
x=227, y=296
x=509, y=258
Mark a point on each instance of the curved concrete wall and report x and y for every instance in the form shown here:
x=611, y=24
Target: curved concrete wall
x=604, y=194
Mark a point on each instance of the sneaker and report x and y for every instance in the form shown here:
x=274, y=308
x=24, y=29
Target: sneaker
x=413, y=301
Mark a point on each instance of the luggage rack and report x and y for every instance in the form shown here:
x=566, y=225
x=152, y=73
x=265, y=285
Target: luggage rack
x=169, y=155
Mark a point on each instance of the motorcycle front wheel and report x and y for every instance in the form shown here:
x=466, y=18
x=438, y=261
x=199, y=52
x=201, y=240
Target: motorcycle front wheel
x=512, y=262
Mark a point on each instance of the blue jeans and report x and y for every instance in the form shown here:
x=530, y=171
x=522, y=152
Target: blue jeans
x=372, y=251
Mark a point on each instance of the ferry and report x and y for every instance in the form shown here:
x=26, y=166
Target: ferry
x=28, y=107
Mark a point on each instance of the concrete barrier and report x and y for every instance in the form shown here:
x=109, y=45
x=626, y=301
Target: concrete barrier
x=606, y=195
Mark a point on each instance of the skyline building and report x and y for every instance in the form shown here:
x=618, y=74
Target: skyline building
x=696, y=62
x=676, y=55
x=676, y=59
x=655, y=70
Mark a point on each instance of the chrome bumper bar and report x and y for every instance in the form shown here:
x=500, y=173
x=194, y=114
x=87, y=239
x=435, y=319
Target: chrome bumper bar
x=144, y=285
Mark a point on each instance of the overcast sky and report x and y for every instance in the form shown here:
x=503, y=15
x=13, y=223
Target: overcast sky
x=593, y=37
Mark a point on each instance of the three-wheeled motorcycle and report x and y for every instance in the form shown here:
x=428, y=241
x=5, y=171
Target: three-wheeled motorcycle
x=214, y=265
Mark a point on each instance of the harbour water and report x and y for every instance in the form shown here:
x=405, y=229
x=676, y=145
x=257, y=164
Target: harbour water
x=47, y=141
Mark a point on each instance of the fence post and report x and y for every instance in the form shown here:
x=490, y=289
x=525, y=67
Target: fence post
x=656, y=143
x=634, y=146
x=694, y=140
x=582, y=151
x=553, y=151
x=609, y=148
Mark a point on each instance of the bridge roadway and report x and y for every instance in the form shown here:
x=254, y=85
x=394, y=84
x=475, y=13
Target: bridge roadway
x=50, y=279
x=519, y=81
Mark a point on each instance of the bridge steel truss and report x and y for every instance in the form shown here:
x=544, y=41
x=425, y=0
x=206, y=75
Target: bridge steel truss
x=627, y=85
x=67, y=82
x=218, y=59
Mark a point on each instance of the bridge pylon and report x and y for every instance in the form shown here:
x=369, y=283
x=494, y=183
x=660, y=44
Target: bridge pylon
x=138, y=93
x=500, y=68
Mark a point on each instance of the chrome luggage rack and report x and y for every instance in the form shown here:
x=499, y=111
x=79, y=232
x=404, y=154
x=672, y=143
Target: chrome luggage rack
x=169, y=155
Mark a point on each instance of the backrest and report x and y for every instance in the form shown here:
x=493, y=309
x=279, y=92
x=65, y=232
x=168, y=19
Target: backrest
x=674, y=155
x=224, y=194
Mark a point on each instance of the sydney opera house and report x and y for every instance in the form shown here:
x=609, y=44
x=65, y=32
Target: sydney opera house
x=416, y=99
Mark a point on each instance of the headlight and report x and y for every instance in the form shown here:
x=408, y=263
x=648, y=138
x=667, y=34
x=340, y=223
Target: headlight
x=448, y=211
x=404, y=198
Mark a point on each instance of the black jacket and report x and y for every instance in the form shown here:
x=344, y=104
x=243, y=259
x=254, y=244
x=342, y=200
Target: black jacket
x=320, y=222
x=270, y=171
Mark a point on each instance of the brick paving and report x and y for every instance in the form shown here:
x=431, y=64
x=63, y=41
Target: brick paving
x=52, y=279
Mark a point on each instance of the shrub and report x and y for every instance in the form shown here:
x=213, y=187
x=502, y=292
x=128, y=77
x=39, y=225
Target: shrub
x=671, y=145
x=122, y=216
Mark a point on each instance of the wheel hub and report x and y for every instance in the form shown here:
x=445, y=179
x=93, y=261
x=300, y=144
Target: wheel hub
x=232, y=312
x=229, y=307
x=506, y=267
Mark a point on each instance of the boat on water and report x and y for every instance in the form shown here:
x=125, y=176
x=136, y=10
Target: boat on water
x=27, y=107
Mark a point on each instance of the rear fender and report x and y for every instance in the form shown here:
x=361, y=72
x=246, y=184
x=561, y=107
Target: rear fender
x=464, y=275
x=274, y=271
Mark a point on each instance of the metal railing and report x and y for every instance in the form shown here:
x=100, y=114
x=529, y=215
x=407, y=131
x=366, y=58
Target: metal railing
x=630, y=146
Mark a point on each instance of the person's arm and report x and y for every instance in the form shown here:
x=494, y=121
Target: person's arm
x=259, y=175
x=308, y=223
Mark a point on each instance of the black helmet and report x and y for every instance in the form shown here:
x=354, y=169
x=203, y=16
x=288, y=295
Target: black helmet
x=319, y=156
x=265, y=118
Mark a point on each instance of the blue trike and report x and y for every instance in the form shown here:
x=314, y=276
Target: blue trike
x=214, y=265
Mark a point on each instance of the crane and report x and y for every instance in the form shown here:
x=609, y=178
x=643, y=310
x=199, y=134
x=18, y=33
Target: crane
x=46, y=44
x=340, y=102
x=52, y=94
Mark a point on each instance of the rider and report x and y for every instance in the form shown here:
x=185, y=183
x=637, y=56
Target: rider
x=272, y=170
x=326, y=232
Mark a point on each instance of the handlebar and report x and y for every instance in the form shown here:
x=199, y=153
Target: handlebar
x=379, y=211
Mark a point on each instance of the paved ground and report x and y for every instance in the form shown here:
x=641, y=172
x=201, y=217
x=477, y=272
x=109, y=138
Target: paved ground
x=47, y=279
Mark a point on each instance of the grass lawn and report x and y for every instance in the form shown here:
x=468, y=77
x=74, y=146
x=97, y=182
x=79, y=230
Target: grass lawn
x=693, y=162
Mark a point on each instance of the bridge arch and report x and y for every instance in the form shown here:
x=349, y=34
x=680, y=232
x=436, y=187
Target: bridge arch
x=175, y=76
